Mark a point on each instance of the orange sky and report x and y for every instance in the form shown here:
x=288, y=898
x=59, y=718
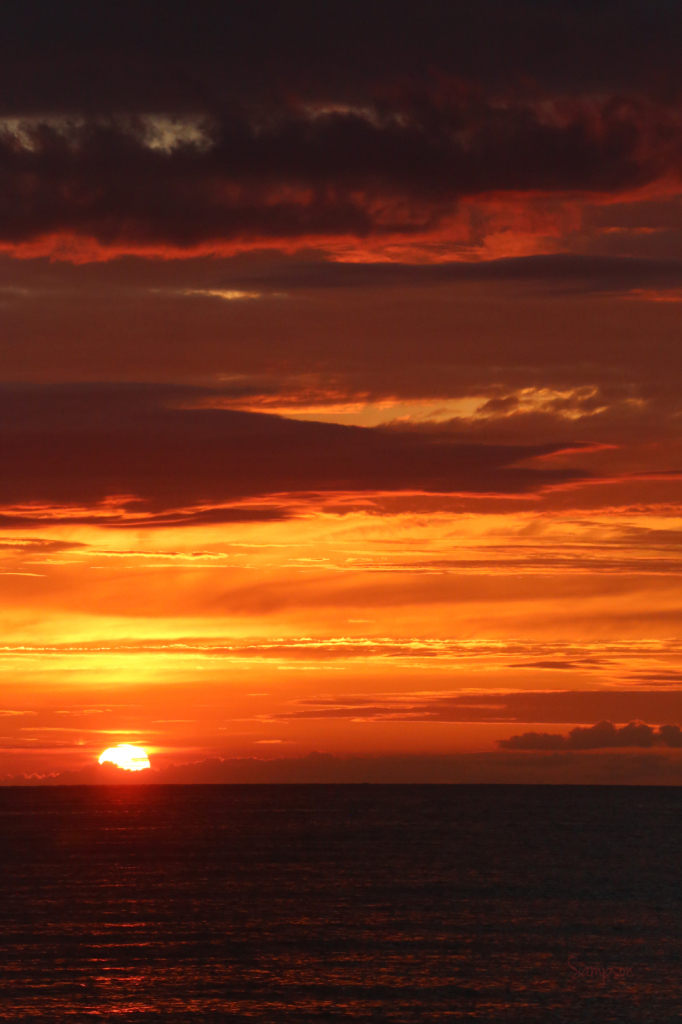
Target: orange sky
x=340, y=404
x=216, y=640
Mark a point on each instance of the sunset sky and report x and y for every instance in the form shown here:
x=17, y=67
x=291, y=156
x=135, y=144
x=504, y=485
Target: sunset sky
x=341, y=382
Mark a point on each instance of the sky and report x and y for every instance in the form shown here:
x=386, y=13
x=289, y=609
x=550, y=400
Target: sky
x=340, y=389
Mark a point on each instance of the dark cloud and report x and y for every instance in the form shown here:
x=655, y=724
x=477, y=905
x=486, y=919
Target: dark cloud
x=296, y=173
x=565, y=767
x=436, y=339
x=38, y=545
x=581, y=272
x=587, y=706
x=203, y=278
x=663, y=678
x=159, y=457
x=143, y=126
x=603, y=734
x=148, y=54
x=554, y=664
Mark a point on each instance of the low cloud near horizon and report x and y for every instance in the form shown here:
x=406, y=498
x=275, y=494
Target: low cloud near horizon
x=567, y=767
x=597, y=737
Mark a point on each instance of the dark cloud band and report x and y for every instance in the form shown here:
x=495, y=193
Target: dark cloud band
x=300, y=173
x=126, y=455
x=597, y=737
x=141, y=126
x=163, y=56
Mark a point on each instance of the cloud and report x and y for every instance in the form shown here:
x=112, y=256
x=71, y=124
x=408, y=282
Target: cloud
x=145, y=56
x=501, y=767
x=579, y=272
x=653, y=695
x=351, y=348
x=135, y=130
x=152, y=455
x=586, y=706
x=38, y=545
x=400, y=170
x=552, y=664
x=656, y=678
x=603, y=734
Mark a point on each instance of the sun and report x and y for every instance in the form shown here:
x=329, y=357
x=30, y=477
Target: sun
x=133, y=759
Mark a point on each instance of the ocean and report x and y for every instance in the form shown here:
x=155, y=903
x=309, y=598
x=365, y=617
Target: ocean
x=308, y=903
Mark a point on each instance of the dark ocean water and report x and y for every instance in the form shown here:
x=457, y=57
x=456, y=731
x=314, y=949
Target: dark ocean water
x=333, y=903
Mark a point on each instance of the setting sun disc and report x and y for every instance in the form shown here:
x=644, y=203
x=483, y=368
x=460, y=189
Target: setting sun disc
x=133, y=759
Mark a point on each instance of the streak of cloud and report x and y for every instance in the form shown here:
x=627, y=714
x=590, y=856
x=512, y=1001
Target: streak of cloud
x=567, y=767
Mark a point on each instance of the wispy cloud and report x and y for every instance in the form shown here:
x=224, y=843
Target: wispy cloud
x=500, y=706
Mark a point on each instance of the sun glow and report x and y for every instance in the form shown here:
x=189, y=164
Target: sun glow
x=133, y=759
